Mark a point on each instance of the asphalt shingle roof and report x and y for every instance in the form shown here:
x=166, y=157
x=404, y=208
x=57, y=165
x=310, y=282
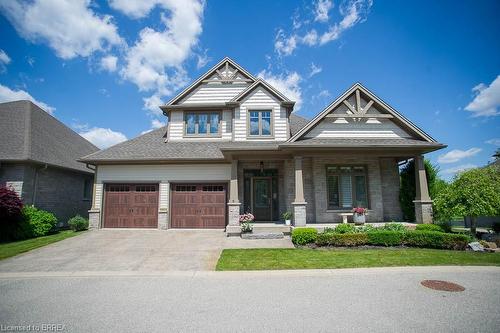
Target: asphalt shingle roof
x=27, y=133
x=363, y=142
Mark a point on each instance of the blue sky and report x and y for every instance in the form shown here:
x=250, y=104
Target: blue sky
x=102, y=67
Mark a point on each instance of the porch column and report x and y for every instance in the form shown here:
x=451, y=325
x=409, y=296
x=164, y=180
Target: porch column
x=299, y=203
x=423, y=202
x=233, y=225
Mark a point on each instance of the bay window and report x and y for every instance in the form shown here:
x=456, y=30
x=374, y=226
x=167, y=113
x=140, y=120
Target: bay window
x=347, y=186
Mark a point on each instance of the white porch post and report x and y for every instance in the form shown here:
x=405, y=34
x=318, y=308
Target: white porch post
x=299, y=203
x=233, y=226
x=423, y=202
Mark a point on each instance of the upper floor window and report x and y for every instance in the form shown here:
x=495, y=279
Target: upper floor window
x=260, y=123
x=202, y=123
x=346, y=186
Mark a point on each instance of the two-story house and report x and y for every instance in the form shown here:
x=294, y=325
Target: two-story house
x=233, y=145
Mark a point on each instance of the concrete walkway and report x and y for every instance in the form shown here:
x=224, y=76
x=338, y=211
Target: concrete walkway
x=134, y=250
x=344, y=300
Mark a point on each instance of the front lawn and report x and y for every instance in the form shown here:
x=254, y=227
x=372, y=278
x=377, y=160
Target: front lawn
x=272, y=259
x=14, y=248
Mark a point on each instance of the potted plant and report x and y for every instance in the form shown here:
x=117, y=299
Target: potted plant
x=359, y=215
x=287, y=216
x=246, y=221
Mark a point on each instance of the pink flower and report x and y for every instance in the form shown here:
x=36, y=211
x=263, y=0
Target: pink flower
x=359, y=210
x=246, y=218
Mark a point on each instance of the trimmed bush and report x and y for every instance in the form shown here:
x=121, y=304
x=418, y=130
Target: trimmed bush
x=385, y=238
x=393, y=227
x=436, y=239
x=78, y=223
x=366, y=228
x=10, y=213
x=36, y=222
x=336, y=239
x=345, y=228
x=429, y=227
x=303, y=236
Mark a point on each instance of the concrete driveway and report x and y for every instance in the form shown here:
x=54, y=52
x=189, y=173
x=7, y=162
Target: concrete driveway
x=133, y=250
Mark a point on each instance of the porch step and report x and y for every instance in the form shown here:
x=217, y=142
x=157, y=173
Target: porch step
x=271, y=228
x=263, y=235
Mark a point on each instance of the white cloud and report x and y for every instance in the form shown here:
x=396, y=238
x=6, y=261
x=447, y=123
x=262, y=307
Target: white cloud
x=152, y=103
x=155, y=123
x=486, y=102
x=154, y=62
x=109, y=63
x=202, y=60
x=288, y=84
x=456, y=155
x=322, y=94
x=4, y=60
x=457, y=169
x=495, y=142
x=352, y=12
x=315, y=70
x=321, y=9
x=9, y=95
x=103, y=137
x=70, y=27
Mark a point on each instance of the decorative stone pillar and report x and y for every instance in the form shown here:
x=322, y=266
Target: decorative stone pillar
x=95, y=210
x=299, y=203
x=94, y=218
x=423, y=202
x=233, y=226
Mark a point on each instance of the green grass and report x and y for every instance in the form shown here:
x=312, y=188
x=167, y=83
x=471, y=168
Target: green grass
x=271, y=259
x=14, y=248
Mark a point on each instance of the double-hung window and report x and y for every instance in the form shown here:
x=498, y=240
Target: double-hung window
x=202, y=123
x=259, y=123
x=346, y=186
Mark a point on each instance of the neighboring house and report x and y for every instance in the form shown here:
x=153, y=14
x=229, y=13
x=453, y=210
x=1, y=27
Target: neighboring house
x=233, y=145
x=38, y=160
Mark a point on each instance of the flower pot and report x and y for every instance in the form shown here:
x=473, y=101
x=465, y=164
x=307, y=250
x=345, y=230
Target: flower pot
x=359, y=218
x=288, y=222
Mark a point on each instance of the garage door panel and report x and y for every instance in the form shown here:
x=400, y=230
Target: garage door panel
x=131, y=206
x=198, y=206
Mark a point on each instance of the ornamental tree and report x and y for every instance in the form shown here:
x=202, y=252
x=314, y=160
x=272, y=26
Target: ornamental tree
x=472, y=193
x=10, y=205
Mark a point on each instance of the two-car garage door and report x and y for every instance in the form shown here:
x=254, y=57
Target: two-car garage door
x=191, y=206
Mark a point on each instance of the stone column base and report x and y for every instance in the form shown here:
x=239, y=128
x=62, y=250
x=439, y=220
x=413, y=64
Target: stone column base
x=423, y=211
x=299, y=214
x=163, y=219
x=233, y=226
x=94, y=219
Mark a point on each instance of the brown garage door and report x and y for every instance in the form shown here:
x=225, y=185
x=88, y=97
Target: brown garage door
x=198, y=206
x=131, y=206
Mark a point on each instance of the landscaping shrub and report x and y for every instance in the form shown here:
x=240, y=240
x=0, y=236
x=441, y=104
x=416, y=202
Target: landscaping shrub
x=385, y=238
x=429, y=227
x=366, y=228
x=36, y=222
x=445, y=225
x=10, y=213
x=78, y=223
x=393, y=227
x=345, y=228
x=437, y=240
x=337, y=239
x=303, y=236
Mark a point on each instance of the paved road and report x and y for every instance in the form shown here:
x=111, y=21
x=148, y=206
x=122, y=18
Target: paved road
x=354, y=300
x=134, y=250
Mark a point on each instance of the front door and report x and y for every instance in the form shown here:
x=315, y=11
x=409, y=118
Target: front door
x=262, y=198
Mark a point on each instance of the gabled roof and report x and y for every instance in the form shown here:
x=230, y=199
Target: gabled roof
x=257, y=83
x=403, y=121
x=29, y=134
x=209, y=73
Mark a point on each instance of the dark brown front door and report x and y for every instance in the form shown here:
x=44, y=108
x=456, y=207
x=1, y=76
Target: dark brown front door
x=262, y=200
x=131, y=206
x=198, y=206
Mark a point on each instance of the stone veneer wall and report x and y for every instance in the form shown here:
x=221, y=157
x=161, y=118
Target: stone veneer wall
x=309, y=196
x=389, y=172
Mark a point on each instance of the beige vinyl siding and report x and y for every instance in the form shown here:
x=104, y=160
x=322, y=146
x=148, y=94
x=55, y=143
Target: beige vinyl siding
x=164, y=189
x=176, y=125
x=214, y=93
x=98, y=195
x=260, y=99
x=349, y=128
x=227, y=124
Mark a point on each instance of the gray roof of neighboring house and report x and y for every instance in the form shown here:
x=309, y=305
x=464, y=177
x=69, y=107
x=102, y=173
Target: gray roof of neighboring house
x=27, y=133
x=296, y=123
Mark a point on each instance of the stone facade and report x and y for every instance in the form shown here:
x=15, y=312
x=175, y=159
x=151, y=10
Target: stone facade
x=59, y=191
x=299, y=214
x=94, y=219
x=423, y=211
x=389, y=173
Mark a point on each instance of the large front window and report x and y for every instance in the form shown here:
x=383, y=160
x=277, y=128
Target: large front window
x=346, y=186
x=260, y=123
x=202, y=123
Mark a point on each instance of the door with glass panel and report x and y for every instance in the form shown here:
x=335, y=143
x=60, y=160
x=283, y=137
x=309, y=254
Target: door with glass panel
x=262, y=198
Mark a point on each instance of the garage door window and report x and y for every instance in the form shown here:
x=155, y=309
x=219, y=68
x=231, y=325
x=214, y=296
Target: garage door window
x=118, y=188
